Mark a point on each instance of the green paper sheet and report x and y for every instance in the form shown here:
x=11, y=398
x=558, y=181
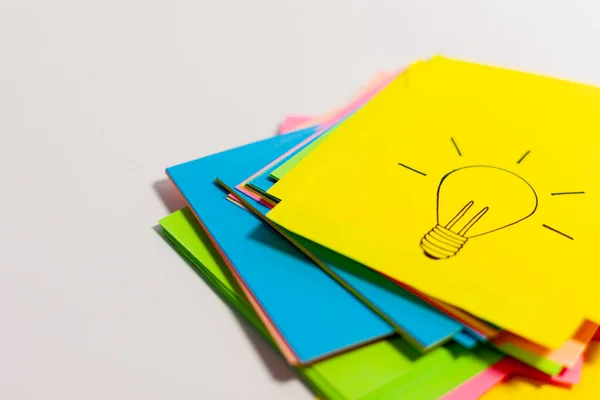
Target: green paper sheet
x=385, y=369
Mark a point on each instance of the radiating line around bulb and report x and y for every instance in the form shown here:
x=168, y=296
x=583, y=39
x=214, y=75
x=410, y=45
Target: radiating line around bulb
x=412, y=169
x=523, y=157
x=456, y=147
x=564, y=193
x=557, y=231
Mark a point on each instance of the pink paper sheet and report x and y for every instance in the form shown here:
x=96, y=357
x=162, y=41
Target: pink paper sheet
x=292, y=122
x=477, y=386
x=568, y=376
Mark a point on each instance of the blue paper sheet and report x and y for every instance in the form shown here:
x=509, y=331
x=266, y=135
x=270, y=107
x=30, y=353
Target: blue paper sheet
x=314, y=314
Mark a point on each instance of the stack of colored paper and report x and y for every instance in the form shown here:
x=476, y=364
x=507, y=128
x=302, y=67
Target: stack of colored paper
x=430, y=239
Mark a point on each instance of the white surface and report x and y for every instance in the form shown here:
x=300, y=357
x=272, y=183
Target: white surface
x=98, y=97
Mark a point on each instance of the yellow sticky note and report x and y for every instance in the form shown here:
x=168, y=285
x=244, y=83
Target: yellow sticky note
x=484, y=198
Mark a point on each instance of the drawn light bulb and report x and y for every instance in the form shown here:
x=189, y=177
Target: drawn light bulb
x=474, y=201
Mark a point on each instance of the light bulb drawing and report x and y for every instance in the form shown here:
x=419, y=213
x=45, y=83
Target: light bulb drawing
x=473, y=201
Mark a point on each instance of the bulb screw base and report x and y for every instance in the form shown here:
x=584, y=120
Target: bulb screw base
x=440, y=243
